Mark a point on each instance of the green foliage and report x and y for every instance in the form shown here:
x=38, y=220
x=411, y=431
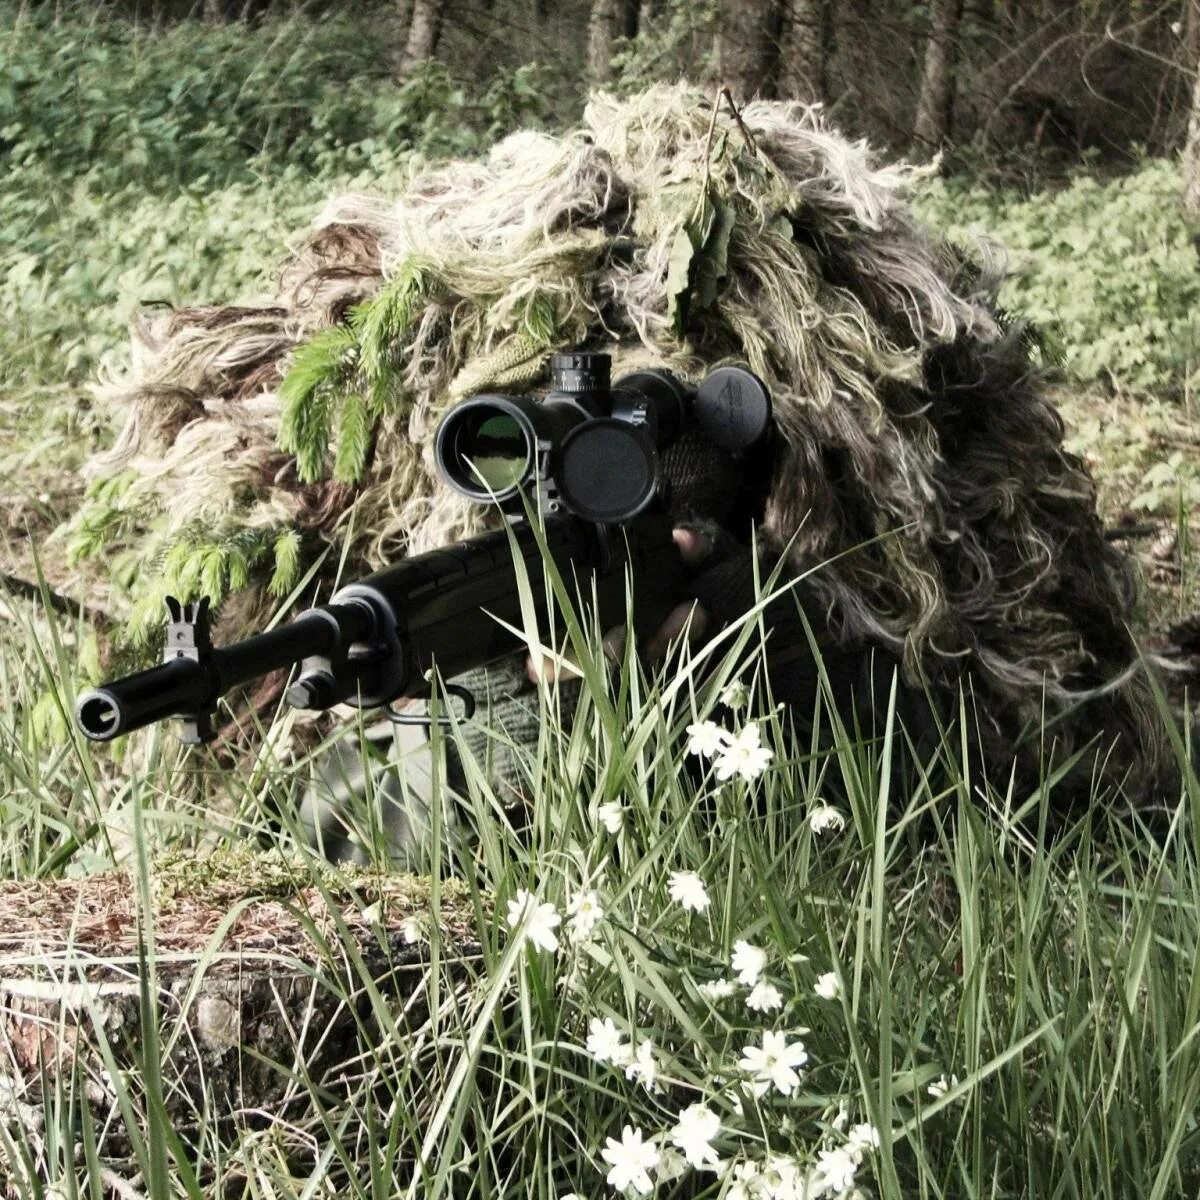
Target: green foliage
x=286, y=552
x=699, y=258
x=380, y=324
x=1013, y=1011
x=170, y=164
x=214, y=566
x=675, y=39
x=77, y=264
x=165, y=106
x=1110, y=265
x=354, y=367
x=1169, y=484
x=320, y=367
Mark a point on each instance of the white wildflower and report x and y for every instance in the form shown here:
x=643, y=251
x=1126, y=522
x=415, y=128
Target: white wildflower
x=765, y=997
x=735, y=695
x=612, y=815
x=939, y=1087
x=606, y=1043
x=631, y=1160
x=826, y=817
x=671, y=1164
x=693, y=1134
x=748, y=963
x=836, y=1169
x=780, y=1179
x=643, y=1066
x=716, y=989
x=776, y=1062
x=585, y=913
x=537, y=922
x=862, y=1139
x=840, y=1118
x=745, y=755
x=687, y=889
x=828, y=986
x=745, y=1181
x=707, y=739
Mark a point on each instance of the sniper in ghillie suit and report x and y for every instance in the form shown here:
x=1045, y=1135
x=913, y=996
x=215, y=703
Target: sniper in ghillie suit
x=907, y=494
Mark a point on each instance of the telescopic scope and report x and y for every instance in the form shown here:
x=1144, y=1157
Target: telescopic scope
x=586, y=446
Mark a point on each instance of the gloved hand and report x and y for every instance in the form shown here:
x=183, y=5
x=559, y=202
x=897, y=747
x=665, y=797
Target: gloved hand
x=859, y=674
x=701, y=545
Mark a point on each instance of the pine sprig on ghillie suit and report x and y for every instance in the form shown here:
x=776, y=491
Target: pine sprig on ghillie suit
x=907, y=408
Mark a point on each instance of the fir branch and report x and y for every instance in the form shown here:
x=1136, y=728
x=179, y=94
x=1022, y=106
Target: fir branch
x=287, y=563
x=212, y=573
x=380, y=323
x=320, y=367
x=539, y=319
x=356, y=428
x=382, y=394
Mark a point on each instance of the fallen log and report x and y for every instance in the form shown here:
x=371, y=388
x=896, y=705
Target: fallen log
x=231, y=997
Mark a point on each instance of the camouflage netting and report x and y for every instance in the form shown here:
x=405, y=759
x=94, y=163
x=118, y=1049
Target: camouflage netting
x=907, y=408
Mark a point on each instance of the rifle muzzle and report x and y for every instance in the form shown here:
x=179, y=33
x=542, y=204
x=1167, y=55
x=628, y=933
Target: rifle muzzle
x=179, y=686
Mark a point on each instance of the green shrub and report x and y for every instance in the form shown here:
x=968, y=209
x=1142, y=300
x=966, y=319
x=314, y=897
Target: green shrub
x=1107, y=266
x=167, y=106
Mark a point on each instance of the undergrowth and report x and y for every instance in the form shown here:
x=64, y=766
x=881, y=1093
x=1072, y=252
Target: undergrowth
x=1107, y=268
x=825, y=966
x=1013, y=1014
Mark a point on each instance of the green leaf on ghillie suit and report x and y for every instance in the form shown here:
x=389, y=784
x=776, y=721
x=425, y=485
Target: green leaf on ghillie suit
x=380, y=325
x=287, y=563
x=320, y=369
x=348, y=377
x=699, y=258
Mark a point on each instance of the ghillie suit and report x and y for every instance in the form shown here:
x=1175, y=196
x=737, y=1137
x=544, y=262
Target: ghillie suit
x=916, y=447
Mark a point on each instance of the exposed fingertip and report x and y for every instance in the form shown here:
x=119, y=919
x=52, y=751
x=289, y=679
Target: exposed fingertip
x=614, y=642
x=693, y=543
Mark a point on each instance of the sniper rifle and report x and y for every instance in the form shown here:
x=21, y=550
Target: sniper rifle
x=585, y=457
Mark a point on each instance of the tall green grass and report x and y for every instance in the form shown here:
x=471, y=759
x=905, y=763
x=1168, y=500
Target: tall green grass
x=1015, y=1013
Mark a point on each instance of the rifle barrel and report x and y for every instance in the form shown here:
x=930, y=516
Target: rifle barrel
x=183, y=685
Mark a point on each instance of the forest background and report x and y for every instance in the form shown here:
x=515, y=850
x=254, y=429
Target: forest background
x=1016, y=1014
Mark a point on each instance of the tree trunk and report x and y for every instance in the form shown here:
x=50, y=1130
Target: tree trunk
x=628, y=19
x=803, y=56
x=402, y=21
x=935, y=104
x=602, y=30
x=424, y=30
x=1191, y=156
x=748, y=46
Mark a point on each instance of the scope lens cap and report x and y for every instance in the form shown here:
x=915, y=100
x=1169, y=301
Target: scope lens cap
x=733, y=408
x=607, y=470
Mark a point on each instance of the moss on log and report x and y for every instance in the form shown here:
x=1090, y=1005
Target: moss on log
x=264, y=979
